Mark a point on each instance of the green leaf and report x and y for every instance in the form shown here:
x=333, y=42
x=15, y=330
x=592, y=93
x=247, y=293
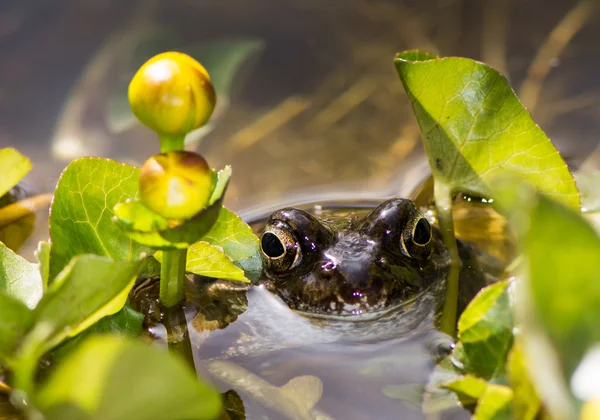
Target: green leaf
x=474, y=128
x=126, y=322
x=468, y=389
x=495, y=404
x=14, y=167
x=111, y=378
x=238, y=241
x=485, y=332
x=15, y=320
x=88, y=289
x=19, y=278
x=526, y=404
x=42, y=254
x=559, y=304
x=82, y=210
x=221, y=185
x=208, y=260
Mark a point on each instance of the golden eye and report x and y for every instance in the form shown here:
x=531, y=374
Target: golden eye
x=280, y=250
x=416, y=238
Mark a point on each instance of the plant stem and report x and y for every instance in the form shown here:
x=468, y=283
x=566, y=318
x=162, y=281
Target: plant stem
x=442, y=194
x=171, y=143
x=178, y=337
x=172, y=276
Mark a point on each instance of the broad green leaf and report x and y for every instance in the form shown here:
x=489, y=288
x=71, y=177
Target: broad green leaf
x=238, y=241
x=82, y=210
x=485, y=332
x=42, y=254
x=19, y=278
x=208, y=260
x=88, y=289
x=112, y=378
x=15, y=320
x=559, y=304
x=126, y=322
x=469, y=389
x=526, y=404
x=14, y=167
x=495, y=404
x=474, y=128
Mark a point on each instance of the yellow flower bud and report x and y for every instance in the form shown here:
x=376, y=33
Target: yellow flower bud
x=172, y=94
x=176, y=185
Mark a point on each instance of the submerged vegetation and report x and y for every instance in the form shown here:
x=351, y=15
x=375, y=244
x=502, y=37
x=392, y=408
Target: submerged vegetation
x=526, y=345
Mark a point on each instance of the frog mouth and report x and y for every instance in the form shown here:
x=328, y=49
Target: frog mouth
x=352, y=314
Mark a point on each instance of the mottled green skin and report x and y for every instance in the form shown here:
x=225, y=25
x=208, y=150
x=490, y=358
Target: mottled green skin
x=355, y=264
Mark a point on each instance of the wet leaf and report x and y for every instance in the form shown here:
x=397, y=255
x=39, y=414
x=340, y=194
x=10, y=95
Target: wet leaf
x=485, y=332
x=109, y=378
x=15, y=320
x=82, y=210
x=208, y=260
x=19, y=278
x=526, y=404
x=495, y=404
x=469, y=389
x=14, y=167
x=88, y=289
x=474, y=128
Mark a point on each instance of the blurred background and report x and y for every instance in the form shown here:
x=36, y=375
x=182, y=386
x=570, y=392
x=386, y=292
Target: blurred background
x=309, y=102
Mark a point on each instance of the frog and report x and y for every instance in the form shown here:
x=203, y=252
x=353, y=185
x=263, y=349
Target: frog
x=360, y=265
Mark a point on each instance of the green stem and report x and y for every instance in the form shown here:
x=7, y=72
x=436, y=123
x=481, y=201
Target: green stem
x=178, y=337
x=171, y=143
x=442, y=194
x=172, y=276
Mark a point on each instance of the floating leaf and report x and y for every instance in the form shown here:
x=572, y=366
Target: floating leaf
x=208, y=260
x=485, y=332
x=19, y=278
x=474, y=128
x=15, y=320
x=88, y=289
x=14, y=167
x=108, y=378
x=82, y=210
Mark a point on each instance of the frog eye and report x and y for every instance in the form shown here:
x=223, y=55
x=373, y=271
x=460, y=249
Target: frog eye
x=416, y=238
x=279, y=247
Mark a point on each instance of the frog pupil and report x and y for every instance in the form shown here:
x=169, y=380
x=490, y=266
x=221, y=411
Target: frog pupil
x=422, y=233
x=272, y=246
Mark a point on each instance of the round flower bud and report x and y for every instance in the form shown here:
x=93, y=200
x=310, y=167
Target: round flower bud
x=176, y=185
x=172, y=94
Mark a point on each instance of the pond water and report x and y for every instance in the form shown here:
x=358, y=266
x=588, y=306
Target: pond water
x=310, y=110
